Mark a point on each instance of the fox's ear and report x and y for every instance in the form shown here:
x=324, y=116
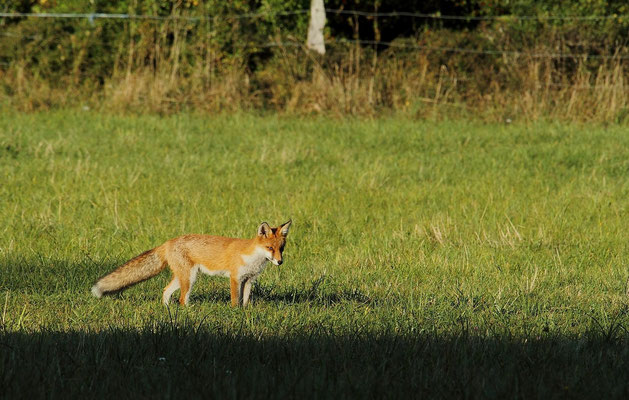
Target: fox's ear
x=264, y=230
x=285, y=227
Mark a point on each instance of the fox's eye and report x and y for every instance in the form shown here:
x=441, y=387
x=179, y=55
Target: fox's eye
x=270, y=248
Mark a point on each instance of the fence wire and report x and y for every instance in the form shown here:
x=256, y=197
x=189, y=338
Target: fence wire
x=94, y=16
x=473, y=18
x=400, y=45
x=447, y=49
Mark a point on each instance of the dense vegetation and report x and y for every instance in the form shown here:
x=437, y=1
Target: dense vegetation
x=501, y=68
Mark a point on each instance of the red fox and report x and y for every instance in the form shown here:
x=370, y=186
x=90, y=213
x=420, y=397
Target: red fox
x=241, y=260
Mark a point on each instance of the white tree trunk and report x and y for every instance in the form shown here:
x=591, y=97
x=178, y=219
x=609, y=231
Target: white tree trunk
x=315, y=29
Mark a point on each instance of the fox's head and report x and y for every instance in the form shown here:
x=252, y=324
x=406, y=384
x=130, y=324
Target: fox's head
x=273, y=240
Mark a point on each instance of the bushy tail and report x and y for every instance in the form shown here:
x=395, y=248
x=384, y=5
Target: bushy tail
x=136, y=270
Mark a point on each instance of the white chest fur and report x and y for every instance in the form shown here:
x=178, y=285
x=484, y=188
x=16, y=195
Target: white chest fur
x=207, y=271
x=253, y=264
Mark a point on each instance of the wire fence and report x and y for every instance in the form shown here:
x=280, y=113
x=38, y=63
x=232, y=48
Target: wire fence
x=92, y=17
x=145, y=61
x=452, y=49
x=95, y=16
x=474, y=18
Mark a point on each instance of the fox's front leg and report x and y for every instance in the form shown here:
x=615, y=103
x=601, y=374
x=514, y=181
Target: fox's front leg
x=235, y=291
x=246, y=291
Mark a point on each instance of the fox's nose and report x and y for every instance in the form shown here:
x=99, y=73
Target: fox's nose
x=279, y=262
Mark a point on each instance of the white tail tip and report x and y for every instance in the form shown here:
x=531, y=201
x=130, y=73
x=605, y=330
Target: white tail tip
x=96, y=291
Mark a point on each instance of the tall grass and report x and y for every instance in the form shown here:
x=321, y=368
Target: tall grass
x=173, y=65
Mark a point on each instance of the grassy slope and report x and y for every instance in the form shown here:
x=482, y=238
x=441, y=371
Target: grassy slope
x=439, y=258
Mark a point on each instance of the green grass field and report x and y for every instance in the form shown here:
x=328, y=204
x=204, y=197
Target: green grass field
x=426, y=259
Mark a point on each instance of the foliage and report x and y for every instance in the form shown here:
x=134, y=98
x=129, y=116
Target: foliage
x=222, y=61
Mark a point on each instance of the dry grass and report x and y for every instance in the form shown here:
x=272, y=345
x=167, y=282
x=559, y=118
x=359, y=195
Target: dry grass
x=169, y=68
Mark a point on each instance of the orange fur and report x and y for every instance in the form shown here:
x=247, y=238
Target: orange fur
x=240, y=259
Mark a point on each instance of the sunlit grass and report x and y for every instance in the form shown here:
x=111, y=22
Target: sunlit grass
x=410, y=239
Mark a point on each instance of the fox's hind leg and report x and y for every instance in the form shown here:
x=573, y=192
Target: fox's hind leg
x=186, y=283
x=184, y=272
x=170, y=289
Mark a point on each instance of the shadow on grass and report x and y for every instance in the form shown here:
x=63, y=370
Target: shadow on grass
x=196, y=359
x=48, y=276
x=320, y=291
x=188, y=360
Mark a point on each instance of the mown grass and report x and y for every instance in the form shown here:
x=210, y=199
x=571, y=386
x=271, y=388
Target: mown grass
x=426, y=258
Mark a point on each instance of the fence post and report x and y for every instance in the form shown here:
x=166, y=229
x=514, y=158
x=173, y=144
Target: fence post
x=315, y=29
